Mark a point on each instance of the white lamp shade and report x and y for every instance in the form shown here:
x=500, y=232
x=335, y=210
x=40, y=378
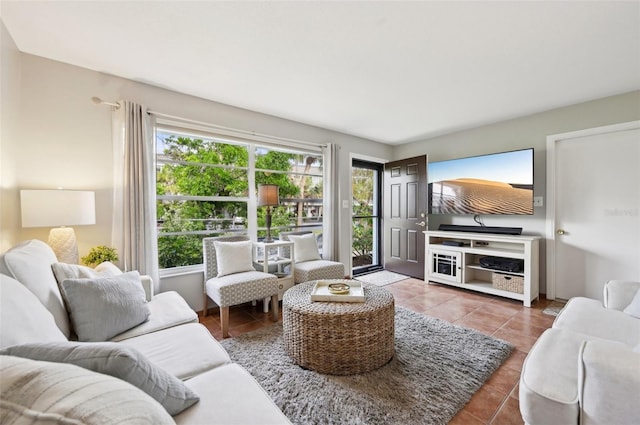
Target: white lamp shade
x=50, y=208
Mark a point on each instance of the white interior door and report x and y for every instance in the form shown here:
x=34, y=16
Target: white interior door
x=595, y=210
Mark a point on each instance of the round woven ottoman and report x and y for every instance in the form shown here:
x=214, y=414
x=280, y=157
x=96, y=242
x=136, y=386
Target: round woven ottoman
x=338, y=338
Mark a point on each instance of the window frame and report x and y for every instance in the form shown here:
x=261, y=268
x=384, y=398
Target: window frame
x=251, y=144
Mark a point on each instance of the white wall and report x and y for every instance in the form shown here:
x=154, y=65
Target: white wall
x=65, y=140
x=9, y=107
x=524, y=132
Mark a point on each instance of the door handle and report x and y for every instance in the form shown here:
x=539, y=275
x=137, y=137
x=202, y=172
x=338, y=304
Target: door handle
x=421, y=224
x=561, y=232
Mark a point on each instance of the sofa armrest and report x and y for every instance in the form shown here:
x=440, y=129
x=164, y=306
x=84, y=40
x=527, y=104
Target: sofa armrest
x=608, y=383
x=147, y=284
x=619, y=293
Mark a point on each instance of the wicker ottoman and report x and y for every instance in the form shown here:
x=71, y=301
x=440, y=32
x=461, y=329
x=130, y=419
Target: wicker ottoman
x=339, y=338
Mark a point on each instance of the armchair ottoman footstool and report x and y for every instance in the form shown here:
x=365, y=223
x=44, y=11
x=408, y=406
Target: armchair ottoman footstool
x=339, y=338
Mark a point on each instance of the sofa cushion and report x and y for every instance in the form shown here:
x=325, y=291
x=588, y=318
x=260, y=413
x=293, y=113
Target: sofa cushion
x=38, y=392
x=119, y=361
x=23, y=319
x=548, y=390
x=101, y=308
x=633, y=309
x=183, y=351
x=241, y=400
x=319, y=269
x=166, y=309
x=305, y=247
x=30, y=264
x=618, y=294
x=588, y=316
x=233, y=257
x=609, y=383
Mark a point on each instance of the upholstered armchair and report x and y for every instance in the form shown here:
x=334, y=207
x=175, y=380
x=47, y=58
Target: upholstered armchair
x=230, y=278
x=309, y=262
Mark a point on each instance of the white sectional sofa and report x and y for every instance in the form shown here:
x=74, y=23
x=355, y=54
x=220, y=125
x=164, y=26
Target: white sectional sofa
x=586, y=368
x=33, y=313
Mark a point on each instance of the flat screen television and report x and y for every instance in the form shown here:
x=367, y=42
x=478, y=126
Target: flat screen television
x=499, y=183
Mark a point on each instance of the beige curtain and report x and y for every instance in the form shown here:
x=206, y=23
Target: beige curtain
x=134, y=231
x=331, y=225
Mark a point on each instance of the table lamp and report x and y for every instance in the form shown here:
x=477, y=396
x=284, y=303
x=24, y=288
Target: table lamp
x=268, y=196
x=49, y=208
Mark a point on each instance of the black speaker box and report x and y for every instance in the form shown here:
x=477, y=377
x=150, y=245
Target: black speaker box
x=481, y=229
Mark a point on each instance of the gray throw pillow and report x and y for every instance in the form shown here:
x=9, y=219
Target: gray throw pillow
x=116, y=360
x=101, y=308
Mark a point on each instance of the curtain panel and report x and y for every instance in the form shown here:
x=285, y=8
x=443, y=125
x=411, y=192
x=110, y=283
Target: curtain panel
x=331, y=225
x=134, y=227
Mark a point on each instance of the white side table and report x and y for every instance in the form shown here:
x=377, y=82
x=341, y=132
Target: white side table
x=275, y=258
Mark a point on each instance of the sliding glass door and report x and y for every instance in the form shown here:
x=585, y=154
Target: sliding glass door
x=366, y=187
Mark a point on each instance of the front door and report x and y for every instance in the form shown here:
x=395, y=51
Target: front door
x=405, y=215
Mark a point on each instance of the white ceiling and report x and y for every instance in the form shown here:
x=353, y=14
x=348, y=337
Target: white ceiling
x=393, y=72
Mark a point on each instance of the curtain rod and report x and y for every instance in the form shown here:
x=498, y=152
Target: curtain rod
x=98, y=101
x=267, y=137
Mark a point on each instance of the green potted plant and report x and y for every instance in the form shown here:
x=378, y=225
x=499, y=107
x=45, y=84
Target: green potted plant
x=100, y=254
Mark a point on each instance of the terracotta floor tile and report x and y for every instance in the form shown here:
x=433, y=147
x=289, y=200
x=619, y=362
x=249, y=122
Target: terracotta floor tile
x=465, y=418
x=516, y=324
x=509, y=413
x=485, y=403
x=448, y=313
x=515, y=393
x=503, y=380
x=503, y=310
x=485, y=328
x=534, y=319
x=516, y=360
x=521, y=342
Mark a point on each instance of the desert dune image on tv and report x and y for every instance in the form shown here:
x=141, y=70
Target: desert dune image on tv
x=489, y=184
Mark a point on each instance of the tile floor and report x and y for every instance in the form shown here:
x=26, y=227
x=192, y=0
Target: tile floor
x=497, y=401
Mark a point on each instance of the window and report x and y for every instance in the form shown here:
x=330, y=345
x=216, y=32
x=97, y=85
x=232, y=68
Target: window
x=205, y=186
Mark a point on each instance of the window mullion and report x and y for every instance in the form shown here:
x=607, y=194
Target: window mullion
x=252, y=206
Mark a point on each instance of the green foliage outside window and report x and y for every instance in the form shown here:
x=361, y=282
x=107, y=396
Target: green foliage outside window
x=206, y=168
x=362, y=188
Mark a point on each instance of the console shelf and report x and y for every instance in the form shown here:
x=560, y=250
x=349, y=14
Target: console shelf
x=452, y=258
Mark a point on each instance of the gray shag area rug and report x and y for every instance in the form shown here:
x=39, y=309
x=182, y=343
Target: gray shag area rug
x=437, y=368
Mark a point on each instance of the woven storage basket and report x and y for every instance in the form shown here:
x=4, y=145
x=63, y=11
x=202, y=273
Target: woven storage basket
x=508, y=282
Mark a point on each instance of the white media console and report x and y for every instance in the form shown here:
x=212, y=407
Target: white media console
x=453, y=258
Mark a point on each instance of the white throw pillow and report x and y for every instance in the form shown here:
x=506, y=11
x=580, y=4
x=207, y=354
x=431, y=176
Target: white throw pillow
x=633, y=309
x=305, y=247
x=233, y=257
x=37, y=392
x=64, y=271
x=101, y=308
x=23, y=318
x=117, y=360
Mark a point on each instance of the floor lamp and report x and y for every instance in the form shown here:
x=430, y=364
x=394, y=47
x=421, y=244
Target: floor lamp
x=268, y=196
x=49, y=208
